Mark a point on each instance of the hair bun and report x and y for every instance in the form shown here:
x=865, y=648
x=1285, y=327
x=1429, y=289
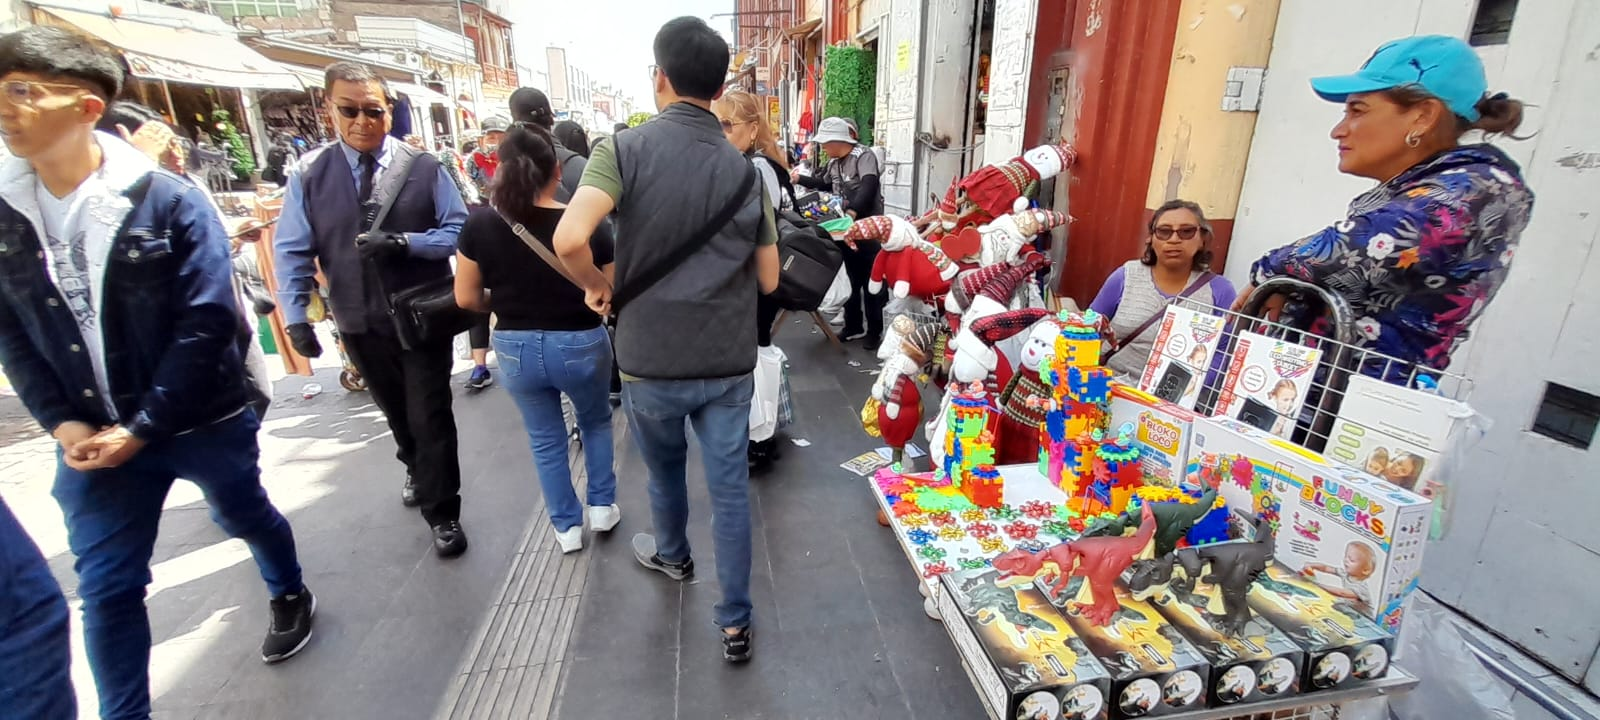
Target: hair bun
x=1499, y=114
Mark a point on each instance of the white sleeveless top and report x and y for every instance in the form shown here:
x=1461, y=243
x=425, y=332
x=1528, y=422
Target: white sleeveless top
x=1142, y=300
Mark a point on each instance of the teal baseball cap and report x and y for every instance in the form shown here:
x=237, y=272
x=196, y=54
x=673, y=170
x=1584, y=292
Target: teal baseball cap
x=1446, y=67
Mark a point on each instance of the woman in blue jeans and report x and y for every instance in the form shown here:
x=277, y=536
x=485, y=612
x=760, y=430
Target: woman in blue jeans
x=547, y=340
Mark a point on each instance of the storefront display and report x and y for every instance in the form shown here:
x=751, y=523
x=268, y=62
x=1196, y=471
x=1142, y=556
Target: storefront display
x=1154, y=669
x=1258, y=662
x=1163, y=431
x=1267, y=382
x=1181, y=356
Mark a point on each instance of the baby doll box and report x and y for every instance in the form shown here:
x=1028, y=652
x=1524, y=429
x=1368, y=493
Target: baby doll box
x=1025, y=659
x=1163, y=432
x=1343, y=648
x=1356, y=536
x=1261, y=663
x=1181, y=356
x=1154, y=669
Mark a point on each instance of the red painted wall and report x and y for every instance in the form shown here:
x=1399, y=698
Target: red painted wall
x=1118, y=53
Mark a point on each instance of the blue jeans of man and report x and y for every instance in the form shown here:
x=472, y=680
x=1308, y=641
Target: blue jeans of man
x=112, y=517
x=719, y=411
x=35, y=645
x=537, y=367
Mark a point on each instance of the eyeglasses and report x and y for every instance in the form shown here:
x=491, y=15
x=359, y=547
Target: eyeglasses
x=653, y=70
x=372, y=113
x=1185, y=232
x=729, y=125
x=24, y=92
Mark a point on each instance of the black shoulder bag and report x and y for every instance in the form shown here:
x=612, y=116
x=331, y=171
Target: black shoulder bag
x=647, y=279
x=425, y=314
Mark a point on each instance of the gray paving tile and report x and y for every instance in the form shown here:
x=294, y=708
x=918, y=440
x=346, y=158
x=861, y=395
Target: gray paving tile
x=629, y=684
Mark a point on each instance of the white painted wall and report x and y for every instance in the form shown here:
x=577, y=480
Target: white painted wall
x=1523, y=551
x=897, y=102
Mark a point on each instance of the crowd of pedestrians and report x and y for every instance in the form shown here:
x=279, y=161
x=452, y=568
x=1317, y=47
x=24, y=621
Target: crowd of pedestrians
x=623, y=271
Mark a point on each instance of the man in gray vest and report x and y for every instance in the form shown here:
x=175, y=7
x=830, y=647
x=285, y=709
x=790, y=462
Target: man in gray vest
x=695, y=237
x=331, y=195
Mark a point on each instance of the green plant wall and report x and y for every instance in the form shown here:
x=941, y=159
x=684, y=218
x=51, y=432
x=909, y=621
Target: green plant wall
x=850, y=86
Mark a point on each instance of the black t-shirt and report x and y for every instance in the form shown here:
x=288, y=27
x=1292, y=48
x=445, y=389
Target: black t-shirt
x=525, y=292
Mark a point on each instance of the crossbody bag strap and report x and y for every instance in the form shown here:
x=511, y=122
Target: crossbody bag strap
x=388, y=189
x=1199, y=282
x=538, y=248
x=646, y=280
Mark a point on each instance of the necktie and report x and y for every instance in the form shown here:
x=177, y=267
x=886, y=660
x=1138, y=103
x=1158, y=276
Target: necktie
x=369, y=166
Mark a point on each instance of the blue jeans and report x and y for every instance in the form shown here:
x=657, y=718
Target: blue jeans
x=538, y=366
x=35, y=646
x=112, y=516
x=719, y=409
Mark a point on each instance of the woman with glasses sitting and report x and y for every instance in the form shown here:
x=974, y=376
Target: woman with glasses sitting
x=1176, y=262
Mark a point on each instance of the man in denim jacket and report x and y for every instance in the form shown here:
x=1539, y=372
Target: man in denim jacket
x=120, y=332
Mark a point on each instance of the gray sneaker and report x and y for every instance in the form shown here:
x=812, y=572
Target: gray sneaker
x=644, y=548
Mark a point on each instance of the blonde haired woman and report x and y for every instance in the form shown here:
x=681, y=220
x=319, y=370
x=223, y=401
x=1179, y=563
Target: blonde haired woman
x=744, y=122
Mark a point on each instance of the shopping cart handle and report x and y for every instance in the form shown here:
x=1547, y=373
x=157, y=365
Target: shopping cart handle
x=1343, y=318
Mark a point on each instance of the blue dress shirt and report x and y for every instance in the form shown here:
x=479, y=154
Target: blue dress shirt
x=291, y=244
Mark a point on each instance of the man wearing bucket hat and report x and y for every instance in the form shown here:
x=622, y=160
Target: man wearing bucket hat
x=1419, y=256
x=852, y=174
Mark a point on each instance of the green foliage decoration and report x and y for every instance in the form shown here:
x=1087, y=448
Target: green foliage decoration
x=224, y=133
x=850, y=86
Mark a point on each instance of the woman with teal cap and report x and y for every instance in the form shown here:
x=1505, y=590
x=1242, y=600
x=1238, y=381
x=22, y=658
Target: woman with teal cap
x=1419, y=256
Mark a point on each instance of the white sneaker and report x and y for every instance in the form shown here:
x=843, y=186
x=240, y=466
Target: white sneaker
x=571, y=540
x=604, y=517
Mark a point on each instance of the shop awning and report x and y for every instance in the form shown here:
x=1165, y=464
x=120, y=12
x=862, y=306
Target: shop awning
x=177, y=54
x=309, y=76
x=804, y=29
x=420, y=94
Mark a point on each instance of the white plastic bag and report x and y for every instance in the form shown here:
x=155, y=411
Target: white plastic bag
x=839, y=292
x=1454, y=683
x=768, y=398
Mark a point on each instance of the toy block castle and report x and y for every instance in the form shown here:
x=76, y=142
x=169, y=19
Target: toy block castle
x=1098, y=474
x=969, y=447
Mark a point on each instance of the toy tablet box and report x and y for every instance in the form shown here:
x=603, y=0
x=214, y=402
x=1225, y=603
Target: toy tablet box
x=1267, y=382
x=1154, y=669
x=1343, y=648
x=1185, y=341
x=1359, y=537
x=1025, y=658
x=1260, y=663
x=1163, y=432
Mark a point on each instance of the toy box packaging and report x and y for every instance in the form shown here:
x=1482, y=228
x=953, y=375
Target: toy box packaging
x=1342, y=646
x=1260, y=663
x=1154, y=669
x=1185, y=342
x=1358, y=537
x=1025, y=659
x=1266, y=382
x=1399, y=434
x=1162, y=431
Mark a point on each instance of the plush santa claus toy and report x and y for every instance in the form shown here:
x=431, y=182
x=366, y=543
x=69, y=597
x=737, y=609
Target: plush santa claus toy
x=911, y=266
x=896, y=393
x=990, y=191
x=1026, y=400
x=1004, y=238
x=999, y=282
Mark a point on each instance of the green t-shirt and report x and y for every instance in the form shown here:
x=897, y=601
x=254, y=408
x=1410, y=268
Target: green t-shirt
x=602, y=174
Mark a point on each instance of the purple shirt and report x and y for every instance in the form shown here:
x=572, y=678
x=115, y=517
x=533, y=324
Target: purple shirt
x=1110, y=296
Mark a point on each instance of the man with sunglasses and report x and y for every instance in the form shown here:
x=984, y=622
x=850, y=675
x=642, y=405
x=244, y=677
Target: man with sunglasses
x=330, y=198
x=119, y=330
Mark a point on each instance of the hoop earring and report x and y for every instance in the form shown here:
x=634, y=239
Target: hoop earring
x=1413, y=139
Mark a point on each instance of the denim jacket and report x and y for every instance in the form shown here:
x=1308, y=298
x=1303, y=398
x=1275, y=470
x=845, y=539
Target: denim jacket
x=168, y=318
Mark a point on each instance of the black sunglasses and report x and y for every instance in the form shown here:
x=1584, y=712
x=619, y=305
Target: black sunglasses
x=1187, y=232
x=350, y=113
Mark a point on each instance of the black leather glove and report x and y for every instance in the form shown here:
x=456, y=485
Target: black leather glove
x=304, y=340
x=382, y=245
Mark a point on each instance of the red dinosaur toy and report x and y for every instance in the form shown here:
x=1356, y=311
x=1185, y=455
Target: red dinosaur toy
x=1099, y=560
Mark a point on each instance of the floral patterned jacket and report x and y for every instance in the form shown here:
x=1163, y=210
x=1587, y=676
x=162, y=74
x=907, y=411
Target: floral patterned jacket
x=1420, y=256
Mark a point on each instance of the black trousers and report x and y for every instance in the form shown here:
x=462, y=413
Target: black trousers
x=478, y=335
x=412, y=388
x=766, y=314
x=858, y=267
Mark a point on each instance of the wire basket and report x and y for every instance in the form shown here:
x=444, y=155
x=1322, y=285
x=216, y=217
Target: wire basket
x=1314, y=712
x=1340, y=356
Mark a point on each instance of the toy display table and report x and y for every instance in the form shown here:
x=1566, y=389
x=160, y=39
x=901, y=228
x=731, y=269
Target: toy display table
x=940, y=542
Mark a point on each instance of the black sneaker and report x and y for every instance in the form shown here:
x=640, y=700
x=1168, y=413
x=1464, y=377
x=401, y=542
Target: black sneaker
x=449, y=540
x=872, y=342
x=291, y=626
x=736, y=647
x=408, y=492
x=644, y=549
x=851, y=335
x=479, y=379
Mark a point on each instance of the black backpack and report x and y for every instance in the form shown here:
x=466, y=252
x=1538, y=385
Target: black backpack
x=808, y=258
